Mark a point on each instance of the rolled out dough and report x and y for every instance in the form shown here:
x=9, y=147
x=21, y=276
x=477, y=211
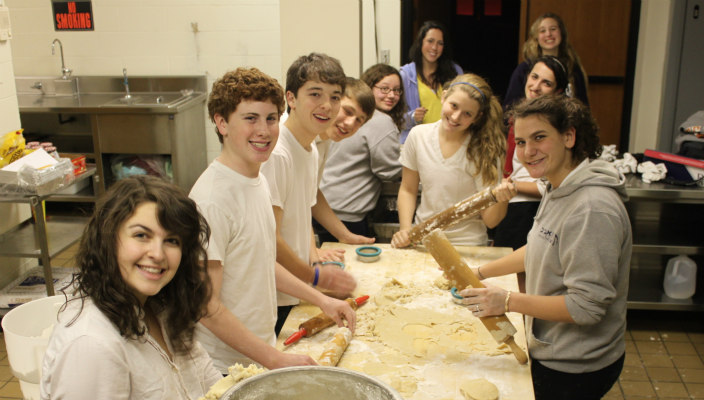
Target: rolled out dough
x=479, y=389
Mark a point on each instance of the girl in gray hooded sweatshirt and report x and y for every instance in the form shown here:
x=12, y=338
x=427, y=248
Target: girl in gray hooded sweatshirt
x=576, y=259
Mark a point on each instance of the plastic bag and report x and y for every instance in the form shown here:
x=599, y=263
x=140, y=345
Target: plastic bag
x=125, y=165
x=11, y=147
x=46, y=180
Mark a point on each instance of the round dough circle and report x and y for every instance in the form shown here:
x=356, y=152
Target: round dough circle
x=479, y=389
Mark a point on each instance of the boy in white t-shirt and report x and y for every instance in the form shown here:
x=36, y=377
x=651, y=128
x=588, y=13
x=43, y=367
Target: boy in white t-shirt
x=234, y=197
x=314, y=87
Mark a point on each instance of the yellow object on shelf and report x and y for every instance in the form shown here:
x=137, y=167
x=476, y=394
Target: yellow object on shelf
x=11, y=147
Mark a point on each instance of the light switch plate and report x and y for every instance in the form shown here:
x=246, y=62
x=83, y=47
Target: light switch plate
x=385, y=56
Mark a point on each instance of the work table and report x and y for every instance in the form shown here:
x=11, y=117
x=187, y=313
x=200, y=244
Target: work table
x=412, y=336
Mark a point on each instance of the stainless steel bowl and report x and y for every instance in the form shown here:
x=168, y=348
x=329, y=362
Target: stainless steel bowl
x=311, y=383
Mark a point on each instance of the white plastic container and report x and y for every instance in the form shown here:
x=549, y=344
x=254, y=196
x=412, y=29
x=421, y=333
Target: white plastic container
x=27, y=330
x=680, y=277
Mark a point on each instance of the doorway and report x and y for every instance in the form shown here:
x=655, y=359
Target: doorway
x=487, y=38
x=484, y=34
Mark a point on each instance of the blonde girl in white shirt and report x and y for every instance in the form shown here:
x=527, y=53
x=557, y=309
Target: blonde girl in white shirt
x=453, y=159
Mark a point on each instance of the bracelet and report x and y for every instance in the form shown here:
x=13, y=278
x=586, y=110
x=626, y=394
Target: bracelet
x=508, y=296
x=317, y=275
x=479, y=272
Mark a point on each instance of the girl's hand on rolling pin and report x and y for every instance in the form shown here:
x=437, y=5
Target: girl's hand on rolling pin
x=419, y=114
x=331, y=255
x=292, y=360
x=505, y=191
x=339, y=310
x=333, y=278
x=484, y=302
x=400, y=239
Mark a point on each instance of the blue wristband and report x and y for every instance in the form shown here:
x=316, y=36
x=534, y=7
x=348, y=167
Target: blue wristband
x=317, y=275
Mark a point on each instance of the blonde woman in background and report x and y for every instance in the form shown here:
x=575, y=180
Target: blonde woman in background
x=548, y=37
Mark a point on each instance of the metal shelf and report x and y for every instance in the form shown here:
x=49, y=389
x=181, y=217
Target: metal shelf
x=646, y=293
x=62, y=232
x=43, y=237
x=656, y=191
x=668, y=249
x=666, y=222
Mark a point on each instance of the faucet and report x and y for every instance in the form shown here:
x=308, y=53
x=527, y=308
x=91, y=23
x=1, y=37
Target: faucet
x=127, y=84
x=65, y=72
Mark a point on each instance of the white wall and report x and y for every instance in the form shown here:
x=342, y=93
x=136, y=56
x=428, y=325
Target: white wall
x=381, y=30
x=152, y=37
x=307, y=26
x=649, y=82
x=332, y=27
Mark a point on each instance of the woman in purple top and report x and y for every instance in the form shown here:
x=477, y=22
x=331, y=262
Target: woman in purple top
x=432, y=64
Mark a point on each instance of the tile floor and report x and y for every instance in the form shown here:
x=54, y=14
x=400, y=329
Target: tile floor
x=664, y=355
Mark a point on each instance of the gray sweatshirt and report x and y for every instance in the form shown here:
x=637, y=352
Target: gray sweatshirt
x=580, y=248
x=356, y=167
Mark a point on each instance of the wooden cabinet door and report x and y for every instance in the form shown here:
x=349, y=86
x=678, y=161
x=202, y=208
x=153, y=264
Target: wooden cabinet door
x=598, y=30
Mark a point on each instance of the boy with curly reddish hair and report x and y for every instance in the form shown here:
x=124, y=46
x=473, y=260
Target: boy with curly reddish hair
x=234, y=197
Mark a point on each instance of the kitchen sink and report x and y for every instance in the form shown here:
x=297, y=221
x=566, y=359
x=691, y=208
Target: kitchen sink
x=149, y=100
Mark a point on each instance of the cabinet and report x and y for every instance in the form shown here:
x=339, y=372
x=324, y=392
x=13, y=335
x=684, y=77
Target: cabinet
x=166, y=118
x=667, y=221
x=43, y=237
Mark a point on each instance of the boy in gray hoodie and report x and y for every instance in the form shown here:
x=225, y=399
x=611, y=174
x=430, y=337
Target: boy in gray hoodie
x=577, y=257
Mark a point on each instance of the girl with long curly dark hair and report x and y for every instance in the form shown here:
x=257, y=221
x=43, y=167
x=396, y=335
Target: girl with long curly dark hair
x=127, y=326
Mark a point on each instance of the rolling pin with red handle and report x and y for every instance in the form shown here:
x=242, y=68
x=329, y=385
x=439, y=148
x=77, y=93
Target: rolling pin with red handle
x=320, y=322
x=466, y=208
x=460, y=276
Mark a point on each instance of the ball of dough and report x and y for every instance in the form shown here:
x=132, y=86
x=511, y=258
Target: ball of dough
x=479, y=389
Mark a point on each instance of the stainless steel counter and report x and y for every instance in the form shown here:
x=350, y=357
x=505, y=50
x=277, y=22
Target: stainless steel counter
x=103, y=103
x=106, y=94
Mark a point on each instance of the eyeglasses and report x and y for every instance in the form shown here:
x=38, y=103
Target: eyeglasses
x=386, y=90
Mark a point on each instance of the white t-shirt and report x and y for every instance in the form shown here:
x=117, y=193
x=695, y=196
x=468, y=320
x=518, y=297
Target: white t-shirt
x=90, y=360
x=521, y=174
x=445, y=181
x=292, y=174
x=243, y=239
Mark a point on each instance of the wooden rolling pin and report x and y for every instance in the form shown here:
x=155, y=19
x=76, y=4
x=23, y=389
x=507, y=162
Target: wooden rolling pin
x=335, y=347
x=461, y=276
x=320, y=322
x=466, y=208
